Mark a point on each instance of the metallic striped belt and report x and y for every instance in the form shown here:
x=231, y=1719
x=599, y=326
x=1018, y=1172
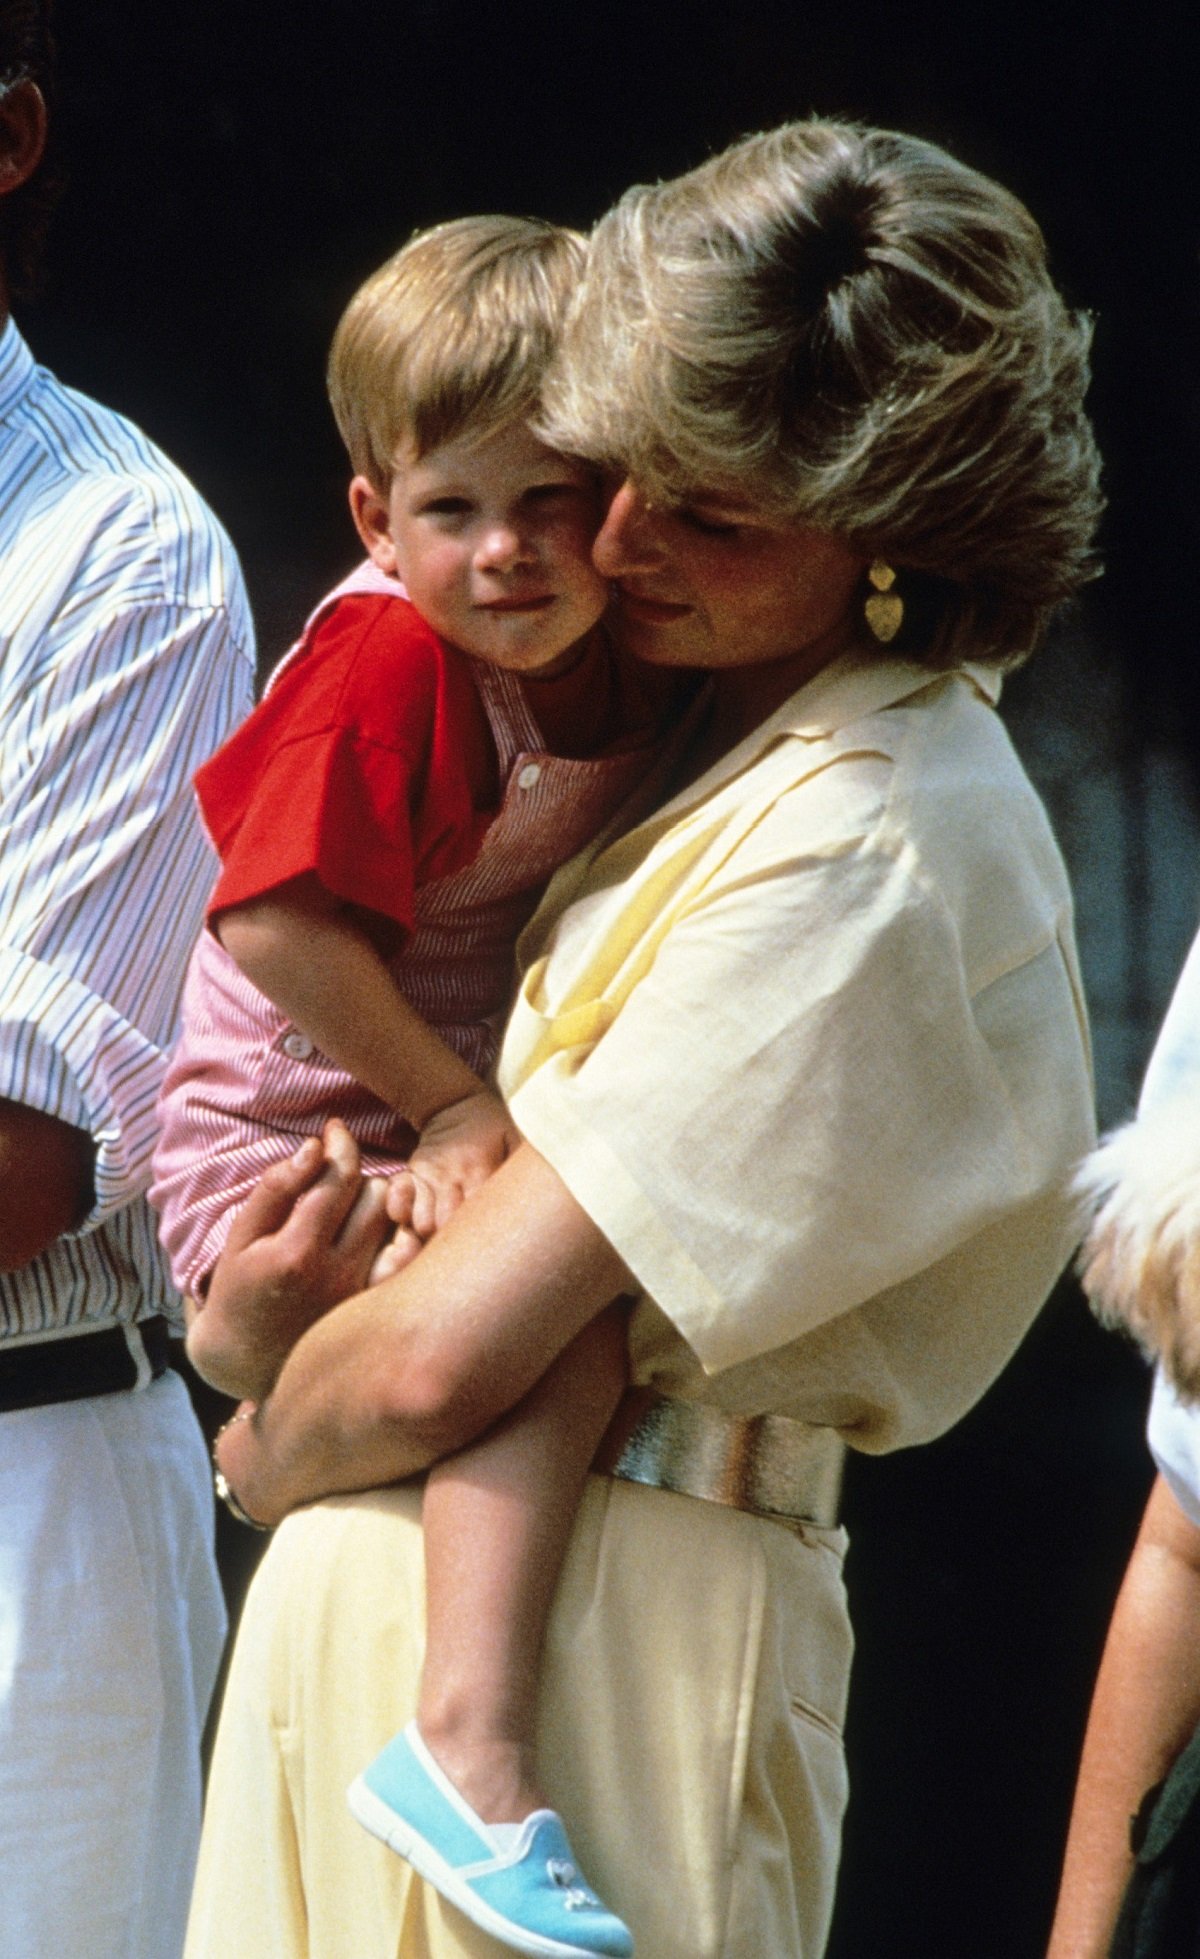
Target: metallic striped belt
x=790, y=1472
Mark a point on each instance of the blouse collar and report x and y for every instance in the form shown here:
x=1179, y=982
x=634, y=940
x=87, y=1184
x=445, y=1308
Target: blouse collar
x=854, y=685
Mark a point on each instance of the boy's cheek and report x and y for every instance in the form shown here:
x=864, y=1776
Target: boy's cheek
x=575, y=536
x=431, y=577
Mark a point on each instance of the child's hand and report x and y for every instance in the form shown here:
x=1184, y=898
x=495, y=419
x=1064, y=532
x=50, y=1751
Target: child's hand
x=458, y=1149
x=403, y=1245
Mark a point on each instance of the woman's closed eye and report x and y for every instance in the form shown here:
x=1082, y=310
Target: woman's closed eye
x=558, y=490
x=547, y=492
x=708, y=526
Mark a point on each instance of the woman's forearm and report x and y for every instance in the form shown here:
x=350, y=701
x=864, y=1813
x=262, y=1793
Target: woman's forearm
x=423, y=1363
x=1146, y=1704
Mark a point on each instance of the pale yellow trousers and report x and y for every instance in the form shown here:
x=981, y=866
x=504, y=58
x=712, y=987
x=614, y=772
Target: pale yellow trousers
x=692, y=1698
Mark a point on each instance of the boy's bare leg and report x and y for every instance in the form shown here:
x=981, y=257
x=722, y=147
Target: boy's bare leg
x=497, y=1519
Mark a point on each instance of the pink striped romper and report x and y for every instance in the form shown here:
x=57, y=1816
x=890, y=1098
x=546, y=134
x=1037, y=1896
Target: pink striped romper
x=245, y=1085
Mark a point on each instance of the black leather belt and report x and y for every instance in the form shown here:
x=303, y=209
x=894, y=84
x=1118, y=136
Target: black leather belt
x=82, y=1364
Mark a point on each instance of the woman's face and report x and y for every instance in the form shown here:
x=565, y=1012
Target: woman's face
x=714, y=583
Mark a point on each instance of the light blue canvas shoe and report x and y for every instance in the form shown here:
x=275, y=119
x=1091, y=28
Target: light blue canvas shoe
x=517, y=1881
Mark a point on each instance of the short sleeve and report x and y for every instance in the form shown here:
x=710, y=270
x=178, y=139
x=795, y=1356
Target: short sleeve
x=1174, y=1067
x=1174, y=1436
x=798, y=1105
x=362, y=764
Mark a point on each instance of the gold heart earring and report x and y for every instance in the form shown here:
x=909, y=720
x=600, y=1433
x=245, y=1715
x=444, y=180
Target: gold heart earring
x=883, y=607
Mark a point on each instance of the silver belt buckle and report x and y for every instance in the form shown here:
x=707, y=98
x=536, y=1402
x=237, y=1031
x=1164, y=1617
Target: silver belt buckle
x=789, y=1472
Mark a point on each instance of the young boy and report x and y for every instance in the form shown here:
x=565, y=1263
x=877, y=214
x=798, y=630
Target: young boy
x=452, y=725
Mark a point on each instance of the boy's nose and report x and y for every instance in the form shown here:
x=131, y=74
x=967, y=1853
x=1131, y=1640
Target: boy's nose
x=502, y=546
x=626, y=541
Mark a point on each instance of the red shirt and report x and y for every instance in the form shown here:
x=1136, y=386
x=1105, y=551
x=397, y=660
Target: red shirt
x=369, y=762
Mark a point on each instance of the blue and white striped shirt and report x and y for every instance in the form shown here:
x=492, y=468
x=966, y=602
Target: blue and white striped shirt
x=126, y=656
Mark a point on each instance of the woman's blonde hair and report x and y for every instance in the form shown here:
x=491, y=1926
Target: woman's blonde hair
x=452, y=334
x=849, y=328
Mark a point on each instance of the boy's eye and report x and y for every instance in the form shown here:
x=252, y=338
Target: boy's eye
x=445, y=507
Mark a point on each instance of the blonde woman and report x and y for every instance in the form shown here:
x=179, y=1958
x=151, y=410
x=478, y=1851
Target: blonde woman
x=799, y=1061
x=1140, y=1269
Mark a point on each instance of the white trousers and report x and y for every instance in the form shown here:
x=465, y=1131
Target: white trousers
x=111, y=1626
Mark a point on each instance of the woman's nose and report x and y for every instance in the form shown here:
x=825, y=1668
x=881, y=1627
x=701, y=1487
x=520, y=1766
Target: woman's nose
x=626, y=541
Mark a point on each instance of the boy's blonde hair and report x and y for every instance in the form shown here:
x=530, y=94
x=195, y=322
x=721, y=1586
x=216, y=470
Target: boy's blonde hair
x=454, y=332
x=851, y=329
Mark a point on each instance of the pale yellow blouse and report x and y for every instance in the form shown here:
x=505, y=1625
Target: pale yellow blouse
x=810, y=1047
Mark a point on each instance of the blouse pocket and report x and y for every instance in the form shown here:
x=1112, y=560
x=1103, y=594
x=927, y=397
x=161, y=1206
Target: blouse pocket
x=536, y=1034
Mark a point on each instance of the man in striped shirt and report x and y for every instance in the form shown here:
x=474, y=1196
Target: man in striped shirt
x=125, y=658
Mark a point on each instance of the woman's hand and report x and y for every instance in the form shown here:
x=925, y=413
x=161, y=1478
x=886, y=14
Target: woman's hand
x=303, y=1242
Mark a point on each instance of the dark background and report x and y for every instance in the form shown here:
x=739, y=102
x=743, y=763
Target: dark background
x=237, y=166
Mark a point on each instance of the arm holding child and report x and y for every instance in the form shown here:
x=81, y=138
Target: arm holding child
x=423, y=1364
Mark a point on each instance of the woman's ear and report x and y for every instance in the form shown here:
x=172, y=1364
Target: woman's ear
x=372, y=521
x=22, y=134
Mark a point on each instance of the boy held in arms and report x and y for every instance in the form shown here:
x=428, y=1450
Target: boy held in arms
x=452, y=725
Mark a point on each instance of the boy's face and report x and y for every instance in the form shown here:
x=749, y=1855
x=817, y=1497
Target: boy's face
x=493, y=541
